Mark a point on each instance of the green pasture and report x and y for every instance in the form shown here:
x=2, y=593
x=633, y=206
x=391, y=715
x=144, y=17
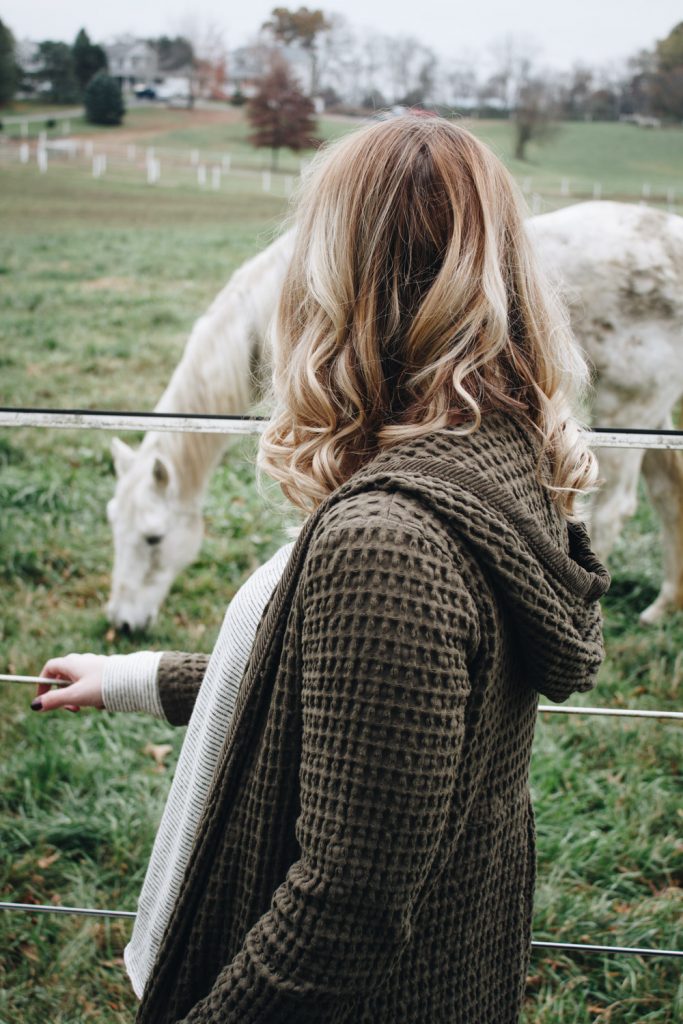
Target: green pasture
x=624, y=161
x=100, y=282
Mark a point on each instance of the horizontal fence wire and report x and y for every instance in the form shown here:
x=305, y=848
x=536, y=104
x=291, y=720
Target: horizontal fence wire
x=100, y=419
x=578, y=947
x=572, y=709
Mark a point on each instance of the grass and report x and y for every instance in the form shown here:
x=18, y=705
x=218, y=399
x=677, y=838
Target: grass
x=100, y=282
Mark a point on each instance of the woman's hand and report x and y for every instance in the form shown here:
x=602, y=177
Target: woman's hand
x=84, y=671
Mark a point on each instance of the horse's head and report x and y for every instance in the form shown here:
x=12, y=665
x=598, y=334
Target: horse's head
x=156, y=534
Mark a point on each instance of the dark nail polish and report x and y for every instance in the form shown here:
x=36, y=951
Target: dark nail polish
x=37, y=704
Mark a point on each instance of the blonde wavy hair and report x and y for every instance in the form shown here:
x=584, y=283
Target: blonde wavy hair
x=414, y=302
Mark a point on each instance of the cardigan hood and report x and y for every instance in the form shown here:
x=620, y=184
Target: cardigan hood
x=541, y=566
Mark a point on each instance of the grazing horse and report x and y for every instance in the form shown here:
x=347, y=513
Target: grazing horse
x=621, y=269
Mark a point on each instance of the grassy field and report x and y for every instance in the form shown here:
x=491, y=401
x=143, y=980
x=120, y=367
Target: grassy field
x=625, y=162
x=100, y=282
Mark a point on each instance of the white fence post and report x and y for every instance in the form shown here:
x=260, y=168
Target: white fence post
x=41, y=157
x=265, y=181
x=24, y=153
x=201, y=175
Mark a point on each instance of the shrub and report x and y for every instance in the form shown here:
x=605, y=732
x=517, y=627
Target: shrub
x=103, y=100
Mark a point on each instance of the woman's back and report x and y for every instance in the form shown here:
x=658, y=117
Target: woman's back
x=376, y=778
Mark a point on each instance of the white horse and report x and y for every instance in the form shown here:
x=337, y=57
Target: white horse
x=621, y=267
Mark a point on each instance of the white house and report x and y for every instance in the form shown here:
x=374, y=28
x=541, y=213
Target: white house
x=132, y=61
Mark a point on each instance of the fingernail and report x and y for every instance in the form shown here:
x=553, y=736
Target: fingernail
x=37, y=704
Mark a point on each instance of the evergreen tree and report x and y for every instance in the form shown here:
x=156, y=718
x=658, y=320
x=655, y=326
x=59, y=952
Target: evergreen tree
x=103, y=100
x=280, y=114
x=8, y=67
x=88, y=59
x=57, y=70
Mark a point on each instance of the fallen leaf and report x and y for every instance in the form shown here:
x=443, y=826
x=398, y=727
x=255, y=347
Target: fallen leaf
x=158, y=751
x=45, y=862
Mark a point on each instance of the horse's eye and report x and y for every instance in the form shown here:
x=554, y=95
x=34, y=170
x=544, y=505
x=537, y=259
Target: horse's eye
x=154, y=539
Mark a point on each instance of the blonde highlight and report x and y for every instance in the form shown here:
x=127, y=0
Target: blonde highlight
x=413, y=299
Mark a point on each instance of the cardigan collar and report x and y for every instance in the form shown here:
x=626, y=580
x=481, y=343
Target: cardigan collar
x=550, y=583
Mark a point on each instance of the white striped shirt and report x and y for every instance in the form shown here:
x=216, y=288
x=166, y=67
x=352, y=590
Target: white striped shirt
x=129, y=684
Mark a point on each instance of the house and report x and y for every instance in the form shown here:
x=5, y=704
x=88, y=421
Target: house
x=249, y=63
x=132, y=62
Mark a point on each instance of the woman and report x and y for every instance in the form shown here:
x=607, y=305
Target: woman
x=363, y=848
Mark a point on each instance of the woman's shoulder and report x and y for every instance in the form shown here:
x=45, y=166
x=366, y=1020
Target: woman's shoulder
x=378, y=508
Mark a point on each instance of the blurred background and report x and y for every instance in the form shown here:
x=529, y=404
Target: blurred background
x=146, y=152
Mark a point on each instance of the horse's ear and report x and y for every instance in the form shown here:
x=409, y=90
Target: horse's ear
x=161, y=474
x=122, y=454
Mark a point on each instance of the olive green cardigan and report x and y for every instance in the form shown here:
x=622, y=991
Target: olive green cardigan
x=367, y=854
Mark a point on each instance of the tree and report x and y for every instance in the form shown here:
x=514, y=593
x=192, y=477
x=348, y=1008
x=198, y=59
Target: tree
x=57, y=71
x=280, y=114
x=174, y=52
x=534, y=115
x=669, y=51
x=302, y=27
x=8, y=66
x=88, y=59
x=103, y=100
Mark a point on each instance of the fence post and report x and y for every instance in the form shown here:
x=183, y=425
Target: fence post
x=265, y=181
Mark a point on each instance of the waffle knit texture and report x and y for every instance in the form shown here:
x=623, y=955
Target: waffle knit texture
x=130, y=684
x=367, y=851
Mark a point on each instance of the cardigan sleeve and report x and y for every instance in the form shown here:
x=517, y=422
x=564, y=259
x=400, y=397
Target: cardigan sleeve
x=387, y=624
x=179, y=677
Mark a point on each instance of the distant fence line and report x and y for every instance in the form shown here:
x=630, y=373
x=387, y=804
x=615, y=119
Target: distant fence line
x=209, y=169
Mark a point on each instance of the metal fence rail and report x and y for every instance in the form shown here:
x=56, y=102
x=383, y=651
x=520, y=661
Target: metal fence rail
x=101, y=419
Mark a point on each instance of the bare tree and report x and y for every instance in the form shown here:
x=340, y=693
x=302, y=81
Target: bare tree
x=535, y=113
x=302, y=26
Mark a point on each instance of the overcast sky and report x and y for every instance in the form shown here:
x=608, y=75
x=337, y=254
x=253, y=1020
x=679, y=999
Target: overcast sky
x=593, y=31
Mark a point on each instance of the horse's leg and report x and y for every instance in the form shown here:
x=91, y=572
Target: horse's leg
x=663, y=472
x=617, y=499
